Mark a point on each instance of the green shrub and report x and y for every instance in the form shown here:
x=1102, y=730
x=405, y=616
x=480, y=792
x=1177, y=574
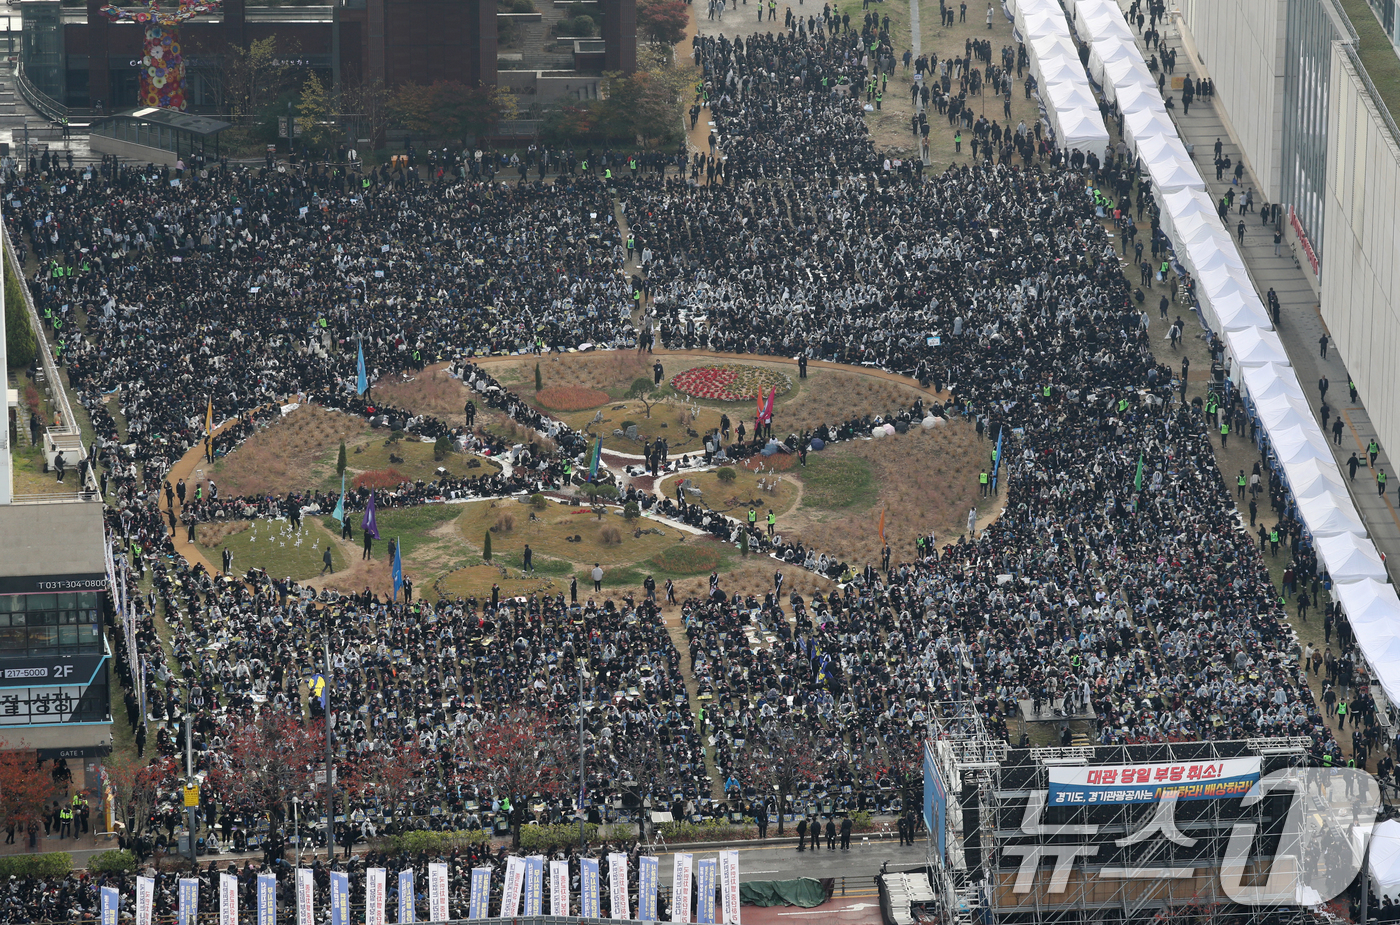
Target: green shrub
x=340, y=461
x=543, y=838
x=537, y=501
x=539, y=379
x=631, y=511
x=433, y=842
x=22, y=347
x=486, y=547
x=442, y=447
x=578, y=26
x=744, y=542
x=522, y=6
x=862, y=820
x=112, y=862
x=714, y=830
x=726, y=474
x=53, y=864
x=596, y=490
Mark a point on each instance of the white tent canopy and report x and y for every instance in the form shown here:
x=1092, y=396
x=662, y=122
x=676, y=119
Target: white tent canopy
x=1350, y=558
x=1069, y=95
x=1178, y=205
x=1046, y=47
x=1268, y=380
x=1120, y=74
x=1300, y=441
x=1102, y=54
x=1136, y=97
x=1174, y=172
x=1226, y=280
x=1057, y=69
x=1254, y=346
x=1141, y=124
x=1371, y=606
x=1283, y=411
x=1099, y=19
x=1235, y=311
x=1330, y=514
x=1082, y=129
x=1385, y=858
x=1308, y=477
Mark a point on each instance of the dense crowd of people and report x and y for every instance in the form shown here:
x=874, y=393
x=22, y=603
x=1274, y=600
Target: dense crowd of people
x=1118, y=581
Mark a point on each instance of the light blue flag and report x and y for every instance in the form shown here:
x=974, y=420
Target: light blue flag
x=589, y=897
x=398, y=569
x=406, y=905
x=339, y=512
x=340, y=898
x=361, y=380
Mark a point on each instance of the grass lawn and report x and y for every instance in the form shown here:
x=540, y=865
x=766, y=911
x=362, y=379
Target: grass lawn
x=411, y=526
x=838, y=482
x=476, y=581
x=549, y=536
x=734, y=498
x=1377, y=53
x=411, y=458
x=271, y=545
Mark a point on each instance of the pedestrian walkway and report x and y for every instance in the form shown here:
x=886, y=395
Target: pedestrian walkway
x=1300, y=325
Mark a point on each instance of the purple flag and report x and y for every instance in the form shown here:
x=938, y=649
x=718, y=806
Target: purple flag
x=368, y=525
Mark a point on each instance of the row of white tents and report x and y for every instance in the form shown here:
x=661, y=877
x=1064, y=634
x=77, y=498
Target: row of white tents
x=1232, y=307
x=1069, y=101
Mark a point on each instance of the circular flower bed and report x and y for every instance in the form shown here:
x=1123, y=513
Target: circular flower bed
x=730, y=382
x=570, y=398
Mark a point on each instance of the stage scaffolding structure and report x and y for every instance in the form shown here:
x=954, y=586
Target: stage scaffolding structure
x=997, y=814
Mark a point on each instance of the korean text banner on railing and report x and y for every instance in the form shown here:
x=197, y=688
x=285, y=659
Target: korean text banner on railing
x=1145, y=783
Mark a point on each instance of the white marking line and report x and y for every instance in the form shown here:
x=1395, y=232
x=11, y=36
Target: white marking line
x=854, y=907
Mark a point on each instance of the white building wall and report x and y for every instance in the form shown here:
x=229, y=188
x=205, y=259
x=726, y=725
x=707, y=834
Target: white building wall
x=1361, y=269
x=1241, y=45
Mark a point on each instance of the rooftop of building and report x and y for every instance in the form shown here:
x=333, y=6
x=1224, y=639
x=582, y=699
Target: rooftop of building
x=1378, y=55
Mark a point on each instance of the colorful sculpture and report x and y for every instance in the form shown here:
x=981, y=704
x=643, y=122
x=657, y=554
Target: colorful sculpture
x=162, y=61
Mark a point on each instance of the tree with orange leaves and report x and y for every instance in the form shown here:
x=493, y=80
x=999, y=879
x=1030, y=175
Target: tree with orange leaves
x=24, y=787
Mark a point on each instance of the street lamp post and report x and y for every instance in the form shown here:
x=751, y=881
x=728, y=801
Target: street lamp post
x=580, y=757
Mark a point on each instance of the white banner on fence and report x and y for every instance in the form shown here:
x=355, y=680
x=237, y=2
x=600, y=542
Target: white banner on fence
x=558, y=887
x=729, y=886
x=375, y=890
x=228, y=900
x=513, y=887
x=145, y=899
x=437, y=892
x=617, y=884
x=306, y=897
x=680, y=887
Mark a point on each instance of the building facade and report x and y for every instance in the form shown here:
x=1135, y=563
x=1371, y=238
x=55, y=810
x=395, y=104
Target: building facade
x=77, y=57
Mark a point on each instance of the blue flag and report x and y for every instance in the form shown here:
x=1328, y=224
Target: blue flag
x=339, y=512
x=589, y=895
x=597, y=457
x=340, y=898
x=267, y=899
x=361, y=380
x=319, y=690
x=369, y=525
x=996, y=460
x=110, y=905
x=406, y=903
x=398, y=569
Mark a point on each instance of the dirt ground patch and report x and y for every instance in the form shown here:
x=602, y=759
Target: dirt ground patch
x=736, y=497
x=296, y=453
x=926, y=480
x=551, y=533
x=429, y=391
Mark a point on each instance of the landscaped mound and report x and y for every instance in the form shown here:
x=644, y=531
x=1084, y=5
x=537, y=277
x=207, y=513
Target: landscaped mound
x=570, y=398
x=730, y=382
x=379, y=479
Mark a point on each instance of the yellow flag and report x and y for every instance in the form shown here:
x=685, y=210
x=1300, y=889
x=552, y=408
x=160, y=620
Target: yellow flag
x=209, y=418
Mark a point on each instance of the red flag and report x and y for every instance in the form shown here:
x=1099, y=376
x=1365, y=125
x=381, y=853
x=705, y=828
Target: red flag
x=759, y=399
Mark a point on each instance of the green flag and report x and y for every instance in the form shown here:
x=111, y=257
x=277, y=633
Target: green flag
x=1137, y=479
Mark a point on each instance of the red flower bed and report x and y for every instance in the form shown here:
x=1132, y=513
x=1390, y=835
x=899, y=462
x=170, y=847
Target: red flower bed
x=730, y=382
x=570, y=398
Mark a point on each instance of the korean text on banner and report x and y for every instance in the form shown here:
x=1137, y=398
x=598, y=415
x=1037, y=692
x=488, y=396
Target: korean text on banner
x=589, y=891
x=376, y=889
x=189, y=902
x=340, y=898
x=480, y=906
x=617, y=884
x=437, y=892
x=534, y=885
x=705, y=891
x=646, y=888
x=729, y=885
x=513, y=887
x=267, y=899
x=408, y=912
x=680, y=887
x=1215, y=779
x=228, y=900
x=145, y=899
x=110, y=902
x=558, y=887
x=306, y=897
